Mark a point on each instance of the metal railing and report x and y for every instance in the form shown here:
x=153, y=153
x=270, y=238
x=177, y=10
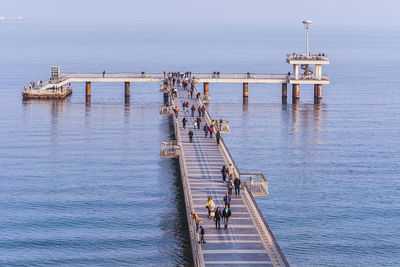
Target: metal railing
x=169, y=149
x=196, y=249
x=166, y=109
x=221, y=125
x=205, y=98
x=323, y=77
x=314, y=57
x=164, y=88
x=256, y=183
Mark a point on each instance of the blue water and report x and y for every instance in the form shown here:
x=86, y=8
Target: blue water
x=83, y=185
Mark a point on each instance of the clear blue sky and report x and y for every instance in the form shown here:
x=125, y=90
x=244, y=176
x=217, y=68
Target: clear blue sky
x=383, y=13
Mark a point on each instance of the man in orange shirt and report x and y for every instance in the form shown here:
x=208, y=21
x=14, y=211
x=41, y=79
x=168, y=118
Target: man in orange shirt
x=197, y=220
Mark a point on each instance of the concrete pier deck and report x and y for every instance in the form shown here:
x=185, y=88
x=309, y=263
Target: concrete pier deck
x=248, y=241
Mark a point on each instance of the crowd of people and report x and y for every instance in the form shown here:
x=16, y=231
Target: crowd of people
x=215, y=213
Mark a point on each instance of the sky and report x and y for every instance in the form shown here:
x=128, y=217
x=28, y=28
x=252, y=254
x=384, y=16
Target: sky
x=340, y=13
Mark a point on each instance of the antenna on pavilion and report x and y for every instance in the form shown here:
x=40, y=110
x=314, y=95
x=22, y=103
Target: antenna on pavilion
x=307, y=24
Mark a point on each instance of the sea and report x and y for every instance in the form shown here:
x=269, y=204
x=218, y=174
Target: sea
x=84, y=184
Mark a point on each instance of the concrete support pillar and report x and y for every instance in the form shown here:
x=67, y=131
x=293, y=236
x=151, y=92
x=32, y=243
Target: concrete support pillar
x=284, y=93
x=296, y=71
x=88, y=88
x=317, y=91
x=127, y=89
x=245, y=90
x=166, y=98
x=295, y=91
x=206, y=88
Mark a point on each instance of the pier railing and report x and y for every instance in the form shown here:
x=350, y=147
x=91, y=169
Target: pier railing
x=198, y=259
x=323, y=77
x=169, y=149
x=315, y=57
x=256, y=183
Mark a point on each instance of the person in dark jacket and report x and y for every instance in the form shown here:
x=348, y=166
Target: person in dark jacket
x=223, y=171
x=217, y=218
x=198, y=122
x=206, y=130
x=227, y=199
x=230, y=186
x=199, y=110
x=190, y=136
x=193, y=108
x=202, y=233
x=184, y=122
x=218, y=136
x=226, y=213
x=237, y=186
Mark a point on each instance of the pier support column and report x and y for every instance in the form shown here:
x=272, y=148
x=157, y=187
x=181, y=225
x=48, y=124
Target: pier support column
x=88, y=88
x=166, y=98
x=317, y=92
x=206, y=87
x=284, y=93
x=245, y=93
x=245, y=90
x=295, y=91
x=127, y=89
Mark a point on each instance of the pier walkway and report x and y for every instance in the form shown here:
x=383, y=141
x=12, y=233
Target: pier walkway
x=248, y=241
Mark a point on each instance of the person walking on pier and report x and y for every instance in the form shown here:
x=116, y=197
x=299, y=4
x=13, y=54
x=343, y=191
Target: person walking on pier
x=188, y=93
x=227, y=199
x=184, y=122
x=209, y=204
x=190, y=136
x=223, y=171
x=197, y=220
x=230, y=171
x=193, y=110
x=217, y=218
x=226, y=213
x=183, y=106
x=218, y=136
x=211, y=131
x=202, y=233
x=176, y=111
x=198, y=122
x=230, y=186
x=206, y=130
x=237, y=186
x=104, y=73
x=191, y=93
x=203, y=111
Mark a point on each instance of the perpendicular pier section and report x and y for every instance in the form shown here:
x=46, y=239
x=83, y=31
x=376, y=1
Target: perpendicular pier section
x=59, y=84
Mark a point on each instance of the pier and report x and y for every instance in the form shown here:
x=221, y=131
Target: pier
x=56, y=86
x=248, y=240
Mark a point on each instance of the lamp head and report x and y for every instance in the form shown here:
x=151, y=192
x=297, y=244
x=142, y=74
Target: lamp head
x=307, y=23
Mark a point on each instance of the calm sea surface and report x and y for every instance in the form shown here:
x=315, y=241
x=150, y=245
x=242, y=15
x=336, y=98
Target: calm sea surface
x=83, y=185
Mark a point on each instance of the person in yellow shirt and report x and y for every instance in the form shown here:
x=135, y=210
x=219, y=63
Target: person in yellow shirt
x=209, y=204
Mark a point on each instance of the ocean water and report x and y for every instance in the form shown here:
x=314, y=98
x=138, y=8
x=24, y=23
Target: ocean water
x=83, y=185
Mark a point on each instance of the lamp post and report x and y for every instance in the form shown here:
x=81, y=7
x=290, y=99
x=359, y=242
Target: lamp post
x=307, y=24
